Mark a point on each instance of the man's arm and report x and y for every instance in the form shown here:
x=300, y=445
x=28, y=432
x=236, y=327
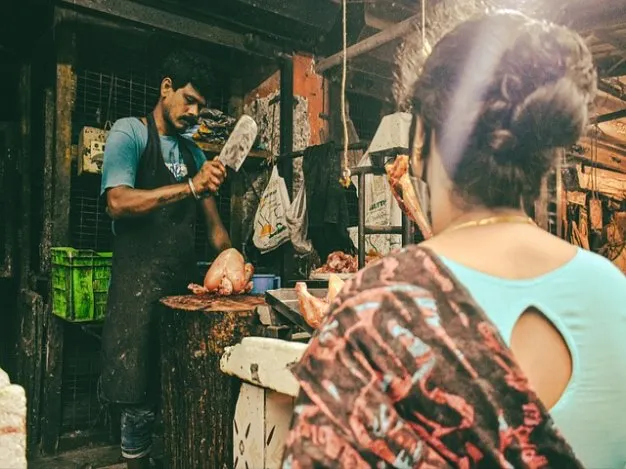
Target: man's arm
x=124, y=201
x=218, y=236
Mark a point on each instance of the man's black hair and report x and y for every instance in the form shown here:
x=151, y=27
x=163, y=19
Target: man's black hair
x=184, y=67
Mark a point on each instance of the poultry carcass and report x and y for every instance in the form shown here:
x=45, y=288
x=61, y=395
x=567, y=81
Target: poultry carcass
x=405, y=195
x=314, y=309
x=228, y=275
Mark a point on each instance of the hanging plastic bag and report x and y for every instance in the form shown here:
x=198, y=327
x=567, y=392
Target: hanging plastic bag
x=270, y=224
x=380, y=209
x=297, y=222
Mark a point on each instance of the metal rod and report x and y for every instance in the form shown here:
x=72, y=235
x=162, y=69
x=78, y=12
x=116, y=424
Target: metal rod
x=285, y=167
x=379, y=39
x=407, y=230
x=375, y=170
x=383, y=229
x=362, y=145
x=286, y=120
x=361, y=229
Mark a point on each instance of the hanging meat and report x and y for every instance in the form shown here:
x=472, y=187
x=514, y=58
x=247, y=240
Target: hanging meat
x=404, y=193
x=228, y=275
x=314, y=309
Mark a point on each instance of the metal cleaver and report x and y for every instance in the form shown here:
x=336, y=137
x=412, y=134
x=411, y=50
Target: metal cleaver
x=239, y=143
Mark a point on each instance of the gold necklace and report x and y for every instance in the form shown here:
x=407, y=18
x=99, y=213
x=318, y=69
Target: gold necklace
x=492, y=221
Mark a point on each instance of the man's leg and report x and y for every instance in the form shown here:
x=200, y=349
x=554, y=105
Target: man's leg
x=137, y=425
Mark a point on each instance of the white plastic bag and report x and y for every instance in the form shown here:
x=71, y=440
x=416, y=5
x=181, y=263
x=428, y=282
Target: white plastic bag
x=270, y=224
x=298, y=221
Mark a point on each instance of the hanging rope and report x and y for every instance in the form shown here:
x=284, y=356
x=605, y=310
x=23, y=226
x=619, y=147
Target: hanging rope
x=345, y=175
x=423, y=2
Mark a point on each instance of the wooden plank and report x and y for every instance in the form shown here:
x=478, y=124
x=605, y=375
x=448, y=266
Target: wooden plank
x=60, y=236
x=23, y=242
x=541, y=206
x=605, y=155
x=53, y=383
x=176, y=24
x=46, y=230
x=29, y=361
x=210, y=303
x=394, y=32
x=319, y=14
x=595, y=214
x=577, y=198
x=65, y=98
x=609, y=183
x=215, y=148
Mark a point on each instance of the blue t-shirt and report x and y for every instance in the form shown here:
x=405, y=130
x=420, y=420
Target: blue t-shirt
x=126, y=143
x=585, y=299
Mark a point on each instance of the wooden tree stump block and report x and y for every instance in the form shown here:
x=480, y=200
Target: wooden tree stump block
x=198, y=399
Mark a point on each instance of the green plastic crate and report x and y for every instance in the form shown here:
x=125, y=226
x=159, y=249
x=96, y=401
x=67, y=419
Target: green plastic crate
x=80, y=283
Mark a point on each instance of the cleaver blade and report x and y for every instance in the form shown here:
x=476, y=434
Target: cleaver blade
x=239, y=143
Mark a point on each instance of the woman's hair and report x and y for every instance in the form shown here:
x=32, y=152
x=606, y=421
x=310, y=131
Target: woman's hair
x=502, y=93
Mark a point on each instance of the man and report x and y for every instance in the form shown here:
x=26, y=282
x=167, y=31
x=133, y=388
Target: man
x=153, y=180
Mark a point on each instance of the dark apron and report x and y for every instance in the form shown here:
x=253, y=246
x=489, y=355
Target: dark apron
x=153, y=257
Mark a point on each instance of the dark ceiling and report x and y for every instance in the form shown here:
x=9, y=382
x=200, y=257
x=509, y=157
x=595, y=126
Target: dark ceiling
x=271, y=26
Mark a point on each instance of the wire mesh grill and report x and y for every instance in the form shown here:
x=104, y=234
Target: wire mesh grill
x=90, y=226
x=102, y=98
x=81, y=370
x=365, y=115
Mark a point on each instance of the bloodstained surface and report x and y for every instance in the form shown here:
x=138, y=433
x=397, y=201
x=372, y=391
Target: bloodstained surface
x=211, y=302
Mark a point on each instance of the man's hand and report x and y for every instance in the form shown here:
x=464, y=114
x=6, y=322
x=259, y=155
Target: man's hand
x=210, y=177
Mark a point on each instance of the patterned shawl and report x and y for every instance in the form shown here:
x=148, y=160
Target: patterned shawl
x=408, y=372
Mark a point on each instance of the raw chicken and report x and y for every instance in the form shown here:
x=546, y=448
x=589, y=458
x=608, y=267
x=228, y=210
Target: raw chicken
x=341, y=263
x=314, y=309
x=228, y=275
x=404, y=193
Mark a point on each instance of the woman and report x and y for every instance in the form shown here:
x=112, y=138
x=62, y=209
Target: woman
x=459, y=352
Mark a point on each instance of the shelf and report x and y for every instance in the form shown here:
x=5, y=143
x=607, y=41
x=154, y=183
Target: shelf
x=216, y=148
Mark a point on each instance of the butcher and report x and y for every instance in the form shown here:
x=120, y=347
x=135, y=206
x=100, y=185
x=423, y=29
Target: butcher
x=154, y=180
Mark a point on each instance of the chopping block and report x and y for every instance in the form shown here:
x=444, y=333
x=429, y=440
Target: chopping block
x=198, y=400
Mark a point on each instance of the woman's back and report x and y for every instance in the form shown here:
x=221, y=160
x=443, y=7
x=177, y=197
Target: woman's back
x=574, y=348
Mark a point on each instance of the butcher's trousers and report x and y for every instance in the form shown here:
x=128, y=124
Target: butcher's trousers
x=137, y=427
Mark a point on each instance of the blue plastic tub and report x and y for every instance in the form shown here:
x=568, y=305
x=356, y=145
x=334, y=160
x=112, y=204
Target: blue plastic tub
x=263, y=282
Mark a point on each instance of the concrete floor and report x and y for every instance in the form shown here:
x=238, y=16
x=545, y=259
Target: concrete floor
x=89, y=458
x=102, y=457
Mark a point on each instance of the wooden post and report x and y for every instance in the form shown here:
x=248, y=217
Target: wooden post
x=65, y=96
x=198, y=400
x=541, y=206
x=60, y=236
x=31, y=310
x=30, y=305
x=46, y=231
x=24, y=166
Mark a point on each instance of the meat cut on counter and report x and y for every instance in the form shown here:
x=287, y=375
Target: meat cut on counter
x=314, y=309
x=404, y=193
x=341, y=263
x=228, y=275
